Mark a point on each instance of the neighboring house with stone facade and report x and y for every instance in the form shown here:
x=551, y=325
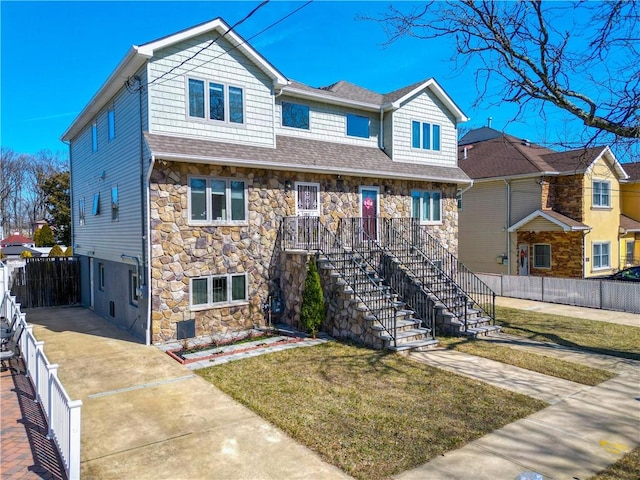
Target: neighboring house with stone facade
x=183, y=171
x=536, y=211
x=630, y=216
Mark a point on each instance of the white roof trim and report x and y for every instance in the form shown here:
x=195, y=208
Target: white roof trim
x=439, y=92
x=138, y=55
x=253, y=163
x=299, y=93
x=555, y=221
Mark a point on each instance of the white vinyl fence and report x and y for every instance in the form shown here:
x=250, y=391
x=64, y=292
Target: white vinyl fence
x=62, y=413
x=604, y=294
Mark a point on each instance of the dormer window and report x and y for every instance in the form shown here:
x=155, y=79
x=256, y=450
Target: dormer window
x=215, y=101
x=425, y=136
x=357, y=126
x=295, y=115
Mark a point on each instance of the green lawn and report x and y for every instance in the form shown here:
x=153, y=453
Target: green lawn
x=600, y=337
x=371, y=413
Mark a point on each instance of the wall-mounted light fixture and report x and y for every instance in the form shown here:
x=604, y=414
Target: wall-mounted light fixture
x=388, y=190
x=288, y=185
x=339, y=183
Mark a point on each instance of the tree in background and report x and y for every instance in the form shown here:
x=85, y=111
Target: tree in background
x=44, y=237
x=25, y=254
x=56, y=190
x=580, y=57
x=22, y=200
x=312, y=312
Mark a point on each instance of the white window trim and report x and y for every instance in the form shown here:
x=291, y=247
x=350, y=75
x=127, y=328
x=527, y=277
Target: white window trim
x=296, y=129
x=606, y=267
x=420, y=148
x=209, y=220
x=227, y=111
x=427, y=222
x=534, y=256
x=600, y=207
x=229, y=303
x=346, y=126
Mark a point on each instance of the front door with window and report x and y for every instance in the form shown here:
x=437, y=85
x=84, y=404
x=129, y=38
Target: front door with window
x=523, y=259
x=369, y=212
x=308, y=211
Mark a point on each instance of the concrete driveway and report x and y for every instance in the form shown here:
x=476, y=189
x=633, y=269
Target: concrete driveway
x=146, y=416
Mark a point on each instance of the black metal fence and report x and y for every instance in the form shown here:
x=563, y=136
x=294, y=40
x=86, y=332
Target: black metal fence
x=47, y=282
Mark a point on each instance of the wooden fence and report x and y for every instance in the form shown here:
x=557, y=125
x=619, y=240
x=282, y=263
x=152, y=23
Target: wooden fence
x=47, y=282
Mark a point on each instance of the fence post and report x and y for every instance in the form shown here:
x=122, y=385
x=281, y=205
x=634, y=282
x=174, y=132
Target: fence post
x=52, y=372
x=24, y=348
x=74, y=439
x=39, y=351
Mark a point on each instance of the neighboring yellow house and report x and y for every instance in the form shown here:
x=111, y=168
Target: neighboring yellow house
x=630, y=217
x=535, y=211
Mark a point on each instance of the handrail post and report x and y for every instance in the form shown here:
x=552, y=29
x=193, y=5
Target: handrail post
x=52, y=372
x=74, y=439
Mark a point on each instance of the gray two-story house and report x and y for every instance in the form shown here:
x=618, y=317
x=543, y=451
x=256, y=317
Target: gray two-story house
x=187, y=161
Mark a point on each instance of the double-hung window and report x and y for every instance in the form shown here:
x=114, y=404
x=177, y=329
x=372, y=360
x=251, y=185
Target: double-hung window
x=426, y=206
x=601, y=194
x=425, y=135
x=542, y=256
x=217, y=200
x=214, y=290
x=601, y=255
x=295, y=115
x=215, y=101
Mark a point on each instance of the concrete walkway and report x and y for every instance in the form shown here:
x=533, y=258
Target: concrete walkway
x=147, y=417
x=585, y=430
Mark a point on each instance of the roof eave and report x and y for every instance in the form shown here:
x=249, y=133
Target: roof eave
x=127, y=67
x=298, y=93
x=252, y=163
x=440, y=93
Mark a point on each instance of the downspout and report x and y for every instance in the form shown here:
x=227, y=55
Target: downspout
x=73, y=247
x=381, y=140
x=147, y=241
x=508, y=236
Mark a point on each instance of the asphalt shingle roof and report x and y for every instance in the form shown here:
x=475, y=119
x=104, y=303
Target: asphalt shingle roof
x=492, y=154
x=302, y=155
x=633, y=170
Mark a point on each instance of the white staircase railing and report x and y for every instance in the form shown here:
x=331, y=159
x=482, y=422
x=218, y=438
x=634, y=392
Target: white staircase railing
x=62, y=413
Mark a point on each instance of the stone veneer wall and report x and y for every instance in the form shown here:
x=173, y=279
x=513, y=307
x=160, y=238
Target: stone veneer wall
x=566, y=253
x=564, y=195
x=181, y=251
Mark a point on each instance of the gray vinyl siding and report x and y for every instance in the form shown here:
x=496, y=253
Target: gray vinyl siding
x=119, y=159
x=526, y=198
x=426, y=108
x=168, y=108
x=328, y=123
x=482, y=234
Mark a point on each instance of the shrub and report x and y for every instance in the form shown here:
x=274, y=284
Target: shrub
x=313, y=312
x=56, y=251
x=68, y=252
x=25, y=254
x=44, y=237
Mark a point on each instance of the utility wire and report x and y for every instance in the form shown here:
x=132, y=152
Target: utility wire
x=237, y=46
x=209, y=44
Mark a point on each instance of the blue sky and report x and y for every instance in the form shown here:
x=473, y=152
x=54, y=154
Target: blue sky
x=55, y=56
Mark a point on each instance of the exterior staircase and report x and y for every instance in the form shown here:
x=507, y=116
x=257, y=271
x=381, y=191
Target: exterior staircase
x=389, y=287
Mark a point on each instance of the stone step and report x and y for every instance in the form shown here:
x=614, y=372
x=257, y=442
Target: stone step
x=401, y=324
x=418, y=345
x=481, y=331
x=405, y=336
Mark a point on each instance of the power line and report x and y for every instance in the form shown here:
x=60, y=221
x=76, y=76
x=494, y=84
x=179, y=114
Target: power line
x=161, y=78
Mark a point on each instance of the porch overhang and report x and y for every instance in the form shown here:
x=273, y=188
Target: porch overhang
x=628, y=225
x=554, y=219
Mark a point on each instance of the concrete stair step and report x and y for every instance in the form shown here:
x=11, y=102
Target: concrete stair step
x=418, y=345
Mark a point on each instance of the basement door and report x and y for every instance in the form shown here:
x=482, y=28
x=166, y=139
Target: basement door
x=369, y=208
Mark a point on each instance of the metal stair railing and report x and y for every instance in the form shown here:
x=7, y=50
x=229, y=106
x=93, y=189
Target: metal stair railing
x=363, y=235
x=309, y=233
x=426, y=246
